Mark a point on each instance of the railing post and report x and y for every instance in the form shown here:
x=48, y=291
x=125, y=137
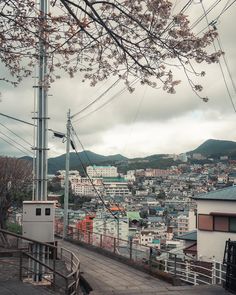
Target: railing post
x=114, y=245
x=71, y=261
x=195, y=278
x=20, y=270
x=89, y=237
x=213, y=275
x=130, y=248
x=186, y=271
x=100, y=240
x=175, y=266
x=67, y=287
x=220, y=273
x=61, y=252
x=166, y=265
x=150, y=257
x=54, y=265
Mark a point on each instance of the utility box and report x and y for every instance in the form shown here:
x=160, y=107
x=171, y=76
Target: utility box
x=38, y=220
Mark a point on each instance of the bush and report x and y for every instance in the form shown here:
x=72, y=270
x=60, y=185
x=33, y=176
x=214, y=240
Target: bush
x=14, y=228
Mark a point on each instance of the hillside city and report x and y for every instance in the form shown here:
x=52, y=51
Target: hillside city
x=153, y=207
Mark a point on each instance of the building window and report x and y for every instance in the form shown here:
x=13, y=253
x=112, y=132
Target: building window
x=232, y=224
x=205, y=222
x=221, y=223
x=38, y=211
x=47, y=211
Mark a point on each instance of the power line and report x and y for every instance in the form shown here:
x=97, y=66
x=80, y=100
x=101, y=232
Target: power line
x=16, y=142
x=108, y=101
x=215, y=20
x=226, y=63
x=27, y=142
x=11, y=144
x=16, y=119
x=114, y=215
x=187, y=5
x=94, y=187
x=225, y=9
x=206, y=12
x=97, y=99
x=221, y=68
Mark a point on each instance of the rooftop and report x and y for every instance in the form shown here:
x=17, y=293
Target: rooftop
x=189, y=236
x=225, y=194
x=133, y=215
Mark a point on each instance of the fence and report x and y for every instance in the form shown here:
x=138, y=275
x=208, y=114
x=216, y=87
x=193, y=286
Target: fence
x=178, y=265
x=43, y=263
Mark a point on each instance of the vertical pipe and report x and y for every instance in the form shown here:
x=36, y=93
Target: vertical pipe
x=42, y=115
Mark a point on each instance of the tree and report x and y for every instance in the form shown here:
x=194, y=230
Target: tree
x=54, y=185
x=100, y=38
x=15, y=184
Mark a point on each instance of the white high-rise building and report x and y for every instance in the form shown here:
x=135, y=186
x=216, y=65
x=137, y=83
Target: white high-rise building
x=102, y=171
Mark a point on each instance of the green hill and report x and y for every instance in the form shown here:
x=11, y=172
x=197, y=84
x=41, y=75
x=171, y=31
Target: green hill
x=214, y=147
x=210, y=148
x=86, y=158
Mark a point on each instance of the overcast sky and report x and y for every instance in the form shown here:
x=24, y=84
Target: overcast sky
x=145, y=122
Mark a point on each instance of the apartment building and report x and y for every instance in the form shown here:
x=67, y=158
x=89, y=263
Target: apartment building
x=101, y=171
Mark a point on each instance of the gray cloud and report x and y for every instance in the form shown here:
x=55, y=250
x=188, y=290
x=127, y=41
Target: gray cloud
x=133, y=115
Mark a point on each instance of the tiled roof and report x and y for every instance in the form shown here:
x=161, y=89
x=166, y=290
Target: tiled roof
x=189, y=236
x=225, y=194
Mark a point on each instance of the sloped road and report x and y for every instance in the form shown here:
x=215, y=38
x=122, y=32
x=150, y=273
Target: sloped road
x=107, y=276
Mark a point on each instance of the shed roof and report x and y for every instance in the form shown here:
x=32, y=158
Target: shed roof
x=189, y=236
x=225, y=194
x=133, y=215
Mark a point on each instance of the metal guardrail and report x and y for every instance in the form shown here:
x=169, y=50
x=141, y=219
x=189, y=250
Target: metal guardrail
x=193, y=273
x=180, y=266
x=46, y=260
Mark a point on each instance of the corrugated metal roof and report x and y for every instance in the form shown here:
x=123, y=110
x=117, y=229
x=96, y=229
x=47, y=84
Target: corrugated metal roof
x=189, y=236
x=225, y=194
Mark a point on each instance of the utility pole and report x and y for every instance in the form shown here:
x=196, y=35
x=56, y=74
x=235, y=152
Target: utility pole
x=42, y=114
x=66, y=193
x=41, y=167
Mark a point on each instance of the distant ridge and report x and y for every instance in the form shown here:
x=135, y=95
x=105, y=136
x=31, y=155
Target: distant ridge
x=210, y=148
x=216, y=147
x=86, y=157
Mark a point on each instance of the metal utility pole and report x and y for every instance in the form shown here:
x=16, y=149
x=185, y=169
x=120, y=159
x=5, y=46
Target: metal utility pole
x=42, y=114
x=66, y=194
x=40, y=173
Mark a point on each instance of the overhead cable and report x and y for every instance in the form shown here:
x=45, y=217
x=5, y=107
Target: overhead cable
x=221, y=68
x=96, y=100
x=27, y=142
x=11, y=144
x=29, y=151
x=16, y=119
x=94, y=187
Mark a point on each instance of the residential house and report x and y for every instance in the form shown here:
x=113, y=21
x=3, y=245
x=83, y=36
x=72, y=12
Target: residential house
x=216, y=222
